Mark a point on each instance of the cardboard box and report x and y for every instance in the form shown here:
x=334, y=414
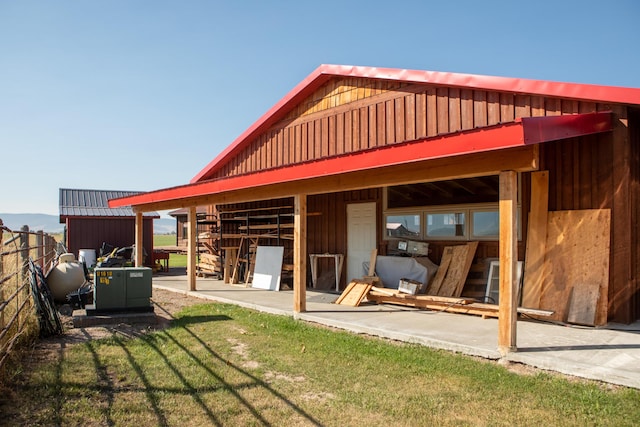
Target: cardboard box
x=409, y=286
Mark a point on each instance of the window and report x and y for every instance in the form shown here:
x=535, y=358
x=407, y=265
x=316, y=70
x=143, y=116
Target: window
x=459, y=209
x=485, y=224
x=403, y=226
x=446, y=225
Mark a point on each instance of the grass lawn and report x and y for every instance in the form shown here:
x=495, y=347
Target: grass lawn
x=175, y=260
x=224, y=365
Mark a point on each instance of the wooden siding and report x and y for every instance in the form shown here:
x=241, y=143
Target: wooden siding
x=601, y=172
x=351, y=115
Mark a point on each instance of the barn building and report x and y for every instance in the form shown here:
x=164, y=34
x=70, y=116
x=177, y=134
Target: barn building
x=90, y=222
x=538, y=172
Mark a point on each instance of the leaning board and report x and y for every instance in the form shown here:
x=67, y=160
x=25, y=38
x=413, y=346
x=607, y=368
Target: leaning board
x=268, y=268
x=577, y=256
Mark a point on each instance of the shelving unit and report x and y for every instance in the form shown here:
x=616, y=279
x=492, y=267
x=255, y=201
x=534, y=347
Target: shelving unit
x=248, y=227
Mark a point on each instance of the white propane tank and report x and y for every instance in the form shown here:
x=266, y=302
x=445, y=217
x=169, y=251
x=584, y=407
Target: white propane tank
x=67, y=276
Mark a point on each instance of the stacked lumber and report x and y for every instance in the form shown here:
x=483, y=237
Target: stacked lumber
x=209, y=265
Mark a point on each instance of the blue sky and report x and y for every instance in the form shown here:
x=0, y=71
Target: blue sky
x=142, y=94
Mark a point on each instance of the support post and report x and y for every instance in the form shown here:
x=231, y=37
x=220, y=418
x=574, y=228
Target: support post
x=191, y=249
x=138, y=240
x=508, y=306
x=300, y=254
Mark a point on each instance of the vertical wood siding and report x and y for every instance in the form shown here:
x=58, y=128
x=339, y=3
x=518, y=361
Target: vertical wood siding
x=350, y=115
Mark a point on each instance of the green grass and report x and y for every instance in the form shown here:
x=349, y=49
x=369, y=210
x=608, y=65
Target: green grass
x=175, y=260
x=224, y=365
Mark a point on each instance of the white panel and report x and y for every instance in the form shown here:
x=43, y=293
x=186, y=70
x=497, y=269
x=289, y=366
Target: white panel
x=266, y=273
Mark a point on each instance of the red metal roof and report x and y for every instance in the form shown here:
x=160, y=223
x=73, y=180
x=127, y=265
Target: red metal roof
x=323, y=73
x=522, y=132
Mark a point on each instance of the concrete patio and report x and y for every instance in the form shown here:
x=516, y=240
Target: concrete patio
x=610, y=354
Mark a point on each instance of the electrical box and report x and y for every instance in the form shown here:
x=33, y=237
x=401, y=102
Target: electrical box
x=122, y=289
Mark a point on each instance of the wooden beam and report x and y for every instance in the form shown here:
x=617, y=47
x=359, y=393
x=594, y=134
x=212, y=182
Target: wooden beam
x=139, y=228
x=191, y=248
x=300, y=253
x=536, y=240
x=520, y=159
x=508, y=304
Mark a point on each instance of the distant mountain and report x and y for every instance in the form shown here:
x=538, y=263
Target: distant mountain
x=164, y=226
x=51, y=223
x=36, y=222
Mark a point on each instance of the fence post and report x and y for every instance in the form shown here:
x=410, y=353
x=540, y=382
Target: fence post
x=24, y=261
x=40, y=248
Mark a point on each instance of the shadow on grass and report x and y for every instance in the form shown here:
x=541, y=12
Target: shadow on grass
x=107, y=391
x=184, y=321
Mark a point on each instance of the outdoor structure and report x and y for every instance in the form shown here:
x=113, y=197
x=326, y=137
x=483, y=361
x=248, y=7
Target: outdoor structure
x=182, y=234
x=540, y=172
x=90, y=222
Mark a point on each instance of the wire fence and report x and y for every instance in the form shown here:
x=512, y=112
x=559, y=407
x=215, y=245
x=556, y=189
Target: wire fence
x=18, y=322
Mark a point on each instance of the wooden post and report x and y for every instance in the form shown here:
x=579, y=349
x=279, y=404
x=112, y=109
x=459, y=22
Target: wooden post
x=507, y=309
x=138, y=240
x=300, y=254
x=40, y=249
x=191, y=249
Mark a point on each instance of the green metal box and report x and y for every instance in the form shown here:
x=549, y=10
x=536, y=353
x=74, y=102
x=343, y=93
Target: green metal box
x=122, y=288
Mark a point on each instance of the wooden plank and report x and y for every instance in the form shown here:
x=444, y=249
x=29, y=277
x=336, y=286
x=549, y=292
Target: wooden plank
x=536, y=239
x=462, y=257
x=479, y=108
x=466, y=109
x=354, y=293
x=431, y=298
x=455, y=119
x=346, y=291
x=436, y=282
x=582, y=308
x=451, y=305
x=577, y=254
x=443, y=109
x=372, y=263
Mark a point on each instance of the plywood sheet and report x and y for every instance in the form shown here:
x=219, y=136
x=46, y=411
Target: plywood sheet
x=456, y=274
x=577, y=256
x=436, y=283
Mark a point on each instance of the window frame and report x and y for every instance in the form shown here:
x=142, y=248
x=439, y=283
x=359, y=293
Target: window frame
x=467, y=209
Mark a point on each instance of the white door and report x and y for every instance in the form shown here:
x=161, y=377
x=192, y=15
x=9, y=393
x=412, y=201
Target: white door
x=361, y=237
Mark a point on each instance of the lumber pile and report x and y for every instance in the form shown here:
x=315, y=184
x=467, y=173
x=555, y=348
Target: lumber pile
x=443, y=293
x=209, y=265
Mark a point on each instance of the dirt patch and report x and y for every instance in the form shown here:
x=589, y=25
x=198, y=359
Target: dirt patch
x=166, y=305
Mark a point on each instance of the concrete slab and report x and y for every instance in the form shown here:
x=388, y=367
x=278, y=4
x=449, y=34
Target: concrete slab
x=609, y=354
